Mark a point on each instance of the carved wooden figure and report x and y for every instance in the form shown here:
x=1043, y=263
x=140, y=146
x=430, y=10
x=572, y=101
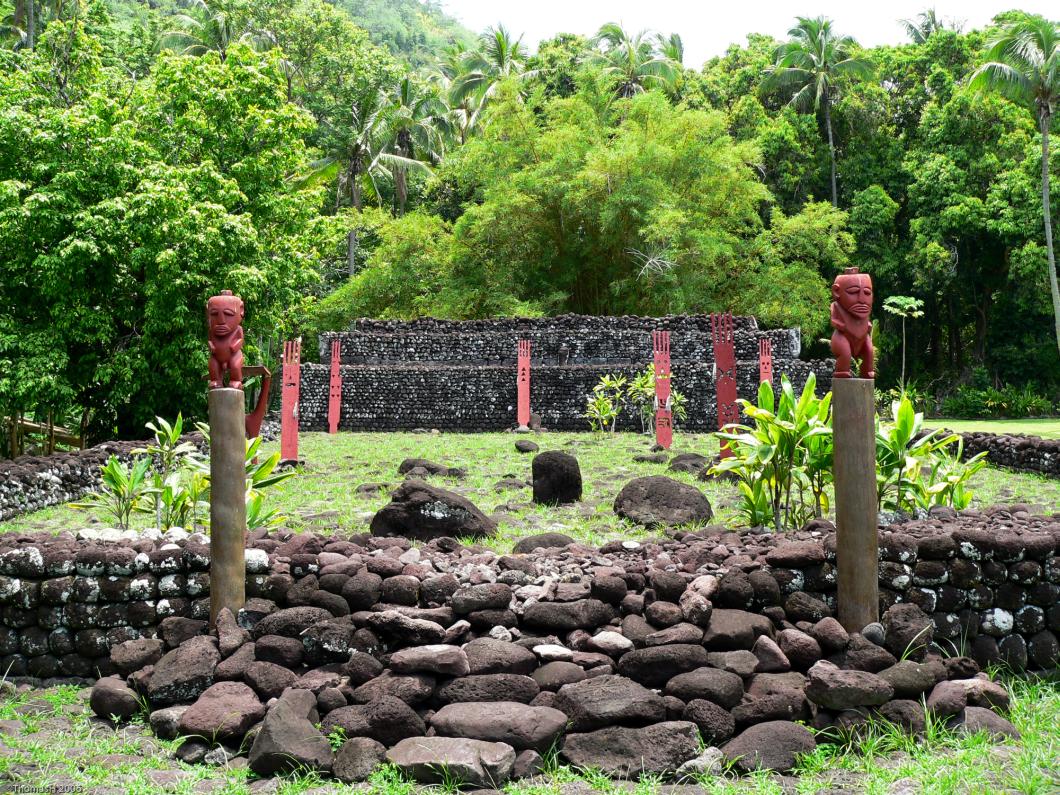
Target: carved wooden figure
x=852, y=338
x=224, y=318
x=335, y=388
x=664, y=427
x=292, y=377
x=765, y=360
x=723, y=332
x=523, y=385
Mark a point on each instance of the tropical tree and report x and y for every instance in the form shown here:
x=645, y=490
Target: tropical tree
x=210, y=28
x=497, y=58
x=1024, y=66
x=633, y=62
x=464, y=107
x=920, y=27
x=415, y=120
x=810, y=67
x=904, y=306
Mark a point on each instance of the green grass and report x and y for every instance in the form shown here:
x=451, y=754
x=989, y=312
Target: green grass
x=1047, y=428
x=324, y=499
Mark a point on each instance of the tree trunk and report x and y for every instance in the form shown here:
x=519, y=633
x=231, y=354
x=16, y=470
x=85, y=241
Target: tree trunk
x=903, y=354
x=1053, y=289
x=831, y=146
x=31, y=23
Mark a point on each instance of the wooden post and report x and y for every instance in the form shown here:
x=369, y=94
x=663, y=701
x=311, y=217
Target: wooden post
x=522, y=414
x=335, y=388
x=857, y=544
x=664, y=427
x=228, y=508
x=292, y=379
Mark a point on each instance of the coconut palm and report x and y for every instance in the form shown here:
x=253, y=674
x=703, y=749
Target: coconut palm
x=810, y=68
x=206, y=28
x=497, y=58
x=920, y=28
x=415, y=120
x=1024, y=66
x=464, y=109
x=633, y=61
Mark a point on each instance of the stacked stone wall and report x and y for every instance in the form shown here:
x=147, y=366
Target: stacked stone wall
x=989, y=581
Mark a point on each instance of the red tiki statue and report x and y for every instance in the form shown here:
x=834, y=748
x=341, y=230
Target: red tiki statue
x=852, y=338
x=224, y=316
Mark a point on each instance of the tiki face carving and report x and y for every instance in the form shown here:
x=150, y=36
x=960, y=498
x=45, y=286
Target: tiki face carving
x=224, y=318
x=852, y=338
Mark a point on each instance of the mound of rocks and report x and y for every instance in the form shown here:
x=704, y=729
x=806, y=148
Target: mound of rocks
x=457, y=664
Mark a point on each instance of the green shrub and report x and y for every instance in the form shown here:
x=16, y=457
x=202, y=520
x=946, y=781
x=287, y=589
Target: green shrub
x=783, y=462
x=615, y=393
x=972, y=402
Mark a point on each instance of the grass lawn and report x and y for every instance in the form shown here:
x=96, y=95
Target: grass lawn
x=1046, y=428
x=50, y=741
x=324, y=499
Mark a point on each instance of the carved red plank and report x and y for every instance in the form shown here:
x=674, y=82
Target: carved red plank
x=724, y=335
x=292, y=378
x=335, y=388
x=523, y=383
x=664, y=428
x=765, y=360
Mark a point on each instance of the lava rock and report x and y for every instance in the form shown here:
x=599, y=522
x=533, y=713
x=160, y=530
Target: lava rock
x=557, y=478
x=422, y=512
x=836, y=689
x=657, y=500
x=623, y=752
x=288, y=741
x=773, y=745
x=223, y=712
x=436, y=760
x=607, y=700
x=519, y=725
x=357, y=759
x=184, y=673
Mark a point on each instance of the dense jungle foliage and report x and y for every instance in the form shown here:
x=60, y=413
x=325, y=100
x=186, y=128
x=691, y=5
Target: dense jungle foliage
x=330, y=160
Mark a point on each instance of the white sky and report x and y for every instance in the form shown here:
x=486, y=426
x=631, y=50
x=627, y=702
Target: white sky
x=708, y=28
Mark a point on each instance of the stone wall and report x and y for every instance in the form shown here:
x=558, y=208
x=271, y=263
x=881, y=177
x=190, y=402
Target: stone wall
x=990, y=581
x=1016, y=451
x=460, y=376
x=29, y=483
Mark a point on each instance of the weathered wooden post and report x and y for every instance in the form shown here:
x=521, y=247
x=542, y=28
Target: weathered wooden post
x=292, y=378
x=664, y=426
x=723, y=333
x=228, y=509
x=854, y=439
x=335, y=388
x=523, y=386
x=765, y=360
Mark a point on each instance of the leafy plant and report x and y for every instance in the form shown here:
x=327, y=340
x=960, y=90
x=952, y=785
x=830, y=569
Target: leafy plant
x=122, y=489
x=988, y=402
x=915, y=469
x=641, y=394
x=784, y=460
x=605, y=404
x=168, y=488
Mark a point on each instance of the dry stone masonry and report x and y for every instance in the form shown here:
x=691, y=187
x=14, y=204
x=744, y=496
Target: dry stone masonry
x=624, y=657
x=460, y=375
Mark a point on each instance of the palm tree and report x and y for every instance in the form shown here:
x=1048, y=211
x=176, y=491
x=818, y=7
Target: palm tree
x=209, y=29
x=810, y=67
x=414, y=123
x=920, y=28
x=634, y=62
x=497, y=57
x=1024, y=66
x=464, y=109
